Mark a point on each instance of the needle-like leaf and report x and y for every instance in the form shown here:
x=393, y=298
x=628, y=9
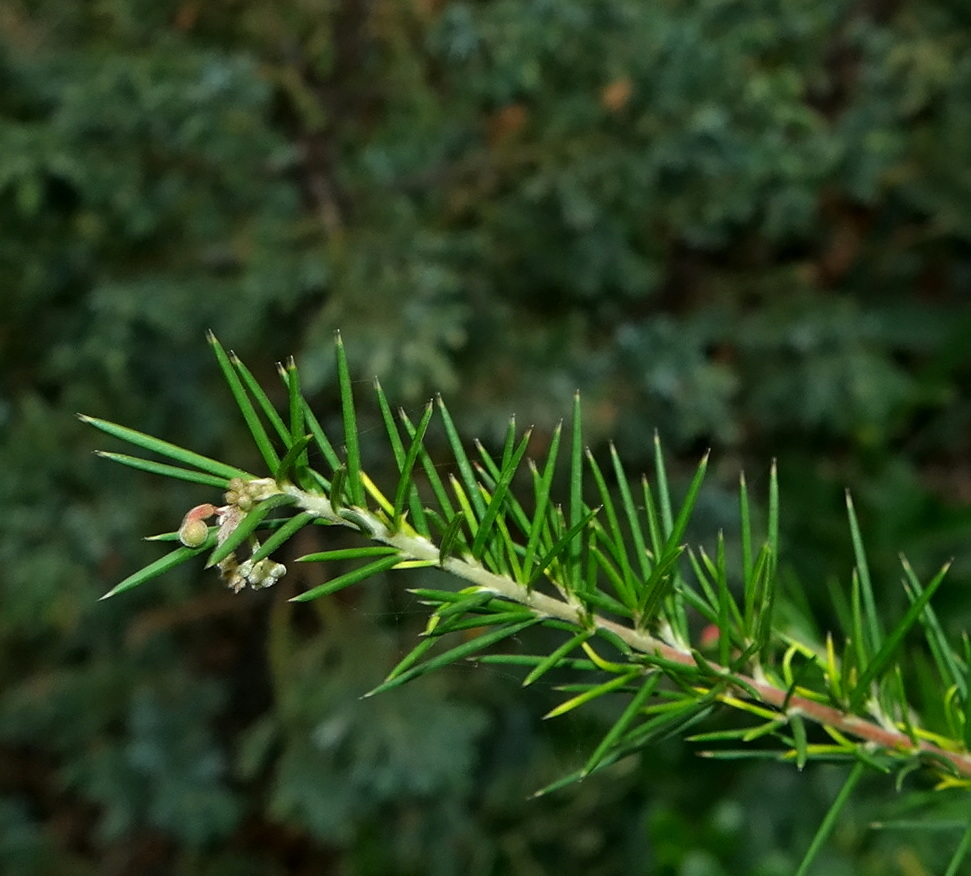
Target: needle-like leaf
x=829, y=822
x=947, y=663
x=466, y=472
x=555, y=658
x=431, y=472
x=745, y=518
x=169, y=471
x=490, y=474
x=460, y=652
x=960, y=853
x=291, y=377
x=355, y=553
x=872, y=617
x=253, y=422
x=614, y=539
x=559, y=546
x=323, y=442
x=543, y=487
x=592, y=693
x=164, y=448
x=349, y=578
x=494, y=508
x=262, y=399
x=297, y=454
x=881, y=660
x=577, y=508
x=634, y=522
x=162, y=565
x=398, y=450
x=405, y=485
x=632, y=710
x=283, y=534
x=354, y=487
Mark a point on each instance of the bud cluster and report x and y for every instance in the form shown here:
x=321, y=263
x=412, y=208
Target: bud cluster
x=240, y=498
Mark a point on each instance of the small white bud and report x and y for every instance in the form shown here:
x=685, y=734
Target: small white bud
x=265, y=573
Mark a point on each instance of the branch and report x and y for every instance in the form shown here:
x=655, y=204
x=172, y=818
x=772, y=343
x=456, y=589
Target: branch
x=616, y=568
x=544, y=606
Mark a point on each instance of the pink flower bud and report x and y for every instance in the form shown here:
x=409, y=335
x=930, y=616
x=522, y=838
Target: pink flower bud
x=194, y=531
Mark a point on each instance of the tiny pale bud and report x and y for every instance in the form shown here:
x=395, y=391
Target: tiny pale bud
x=265, y=573
x=260, y=488
x=193, y=533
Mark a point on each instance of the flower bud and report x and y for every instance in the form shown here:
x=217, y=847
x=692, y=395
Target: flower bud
x=193, y=533
x=265, y=573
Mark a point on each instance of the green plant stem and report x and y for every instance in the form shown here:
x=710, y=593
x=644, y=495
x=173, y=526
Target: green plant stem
x=741, y=685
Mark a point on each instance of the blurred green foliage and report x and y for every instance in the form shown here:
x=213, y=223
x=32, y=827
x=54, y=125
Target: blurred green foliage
x=746, y=226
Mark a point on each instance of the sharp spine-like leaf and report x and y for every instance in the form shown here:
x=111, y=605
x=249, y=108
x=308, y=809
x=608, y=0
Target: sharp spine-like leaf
x=256, y=428
x=355, y=490
x=349, y=578
x=161, y=468
x=164, y=448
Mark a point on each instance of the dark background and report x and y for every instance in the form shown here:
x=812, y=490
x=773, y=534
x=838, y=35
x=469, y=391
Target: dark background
x=749, y=230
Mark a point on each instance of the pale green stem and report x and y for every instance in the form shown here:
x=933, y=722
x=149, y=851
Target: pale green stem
x=420, y=548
